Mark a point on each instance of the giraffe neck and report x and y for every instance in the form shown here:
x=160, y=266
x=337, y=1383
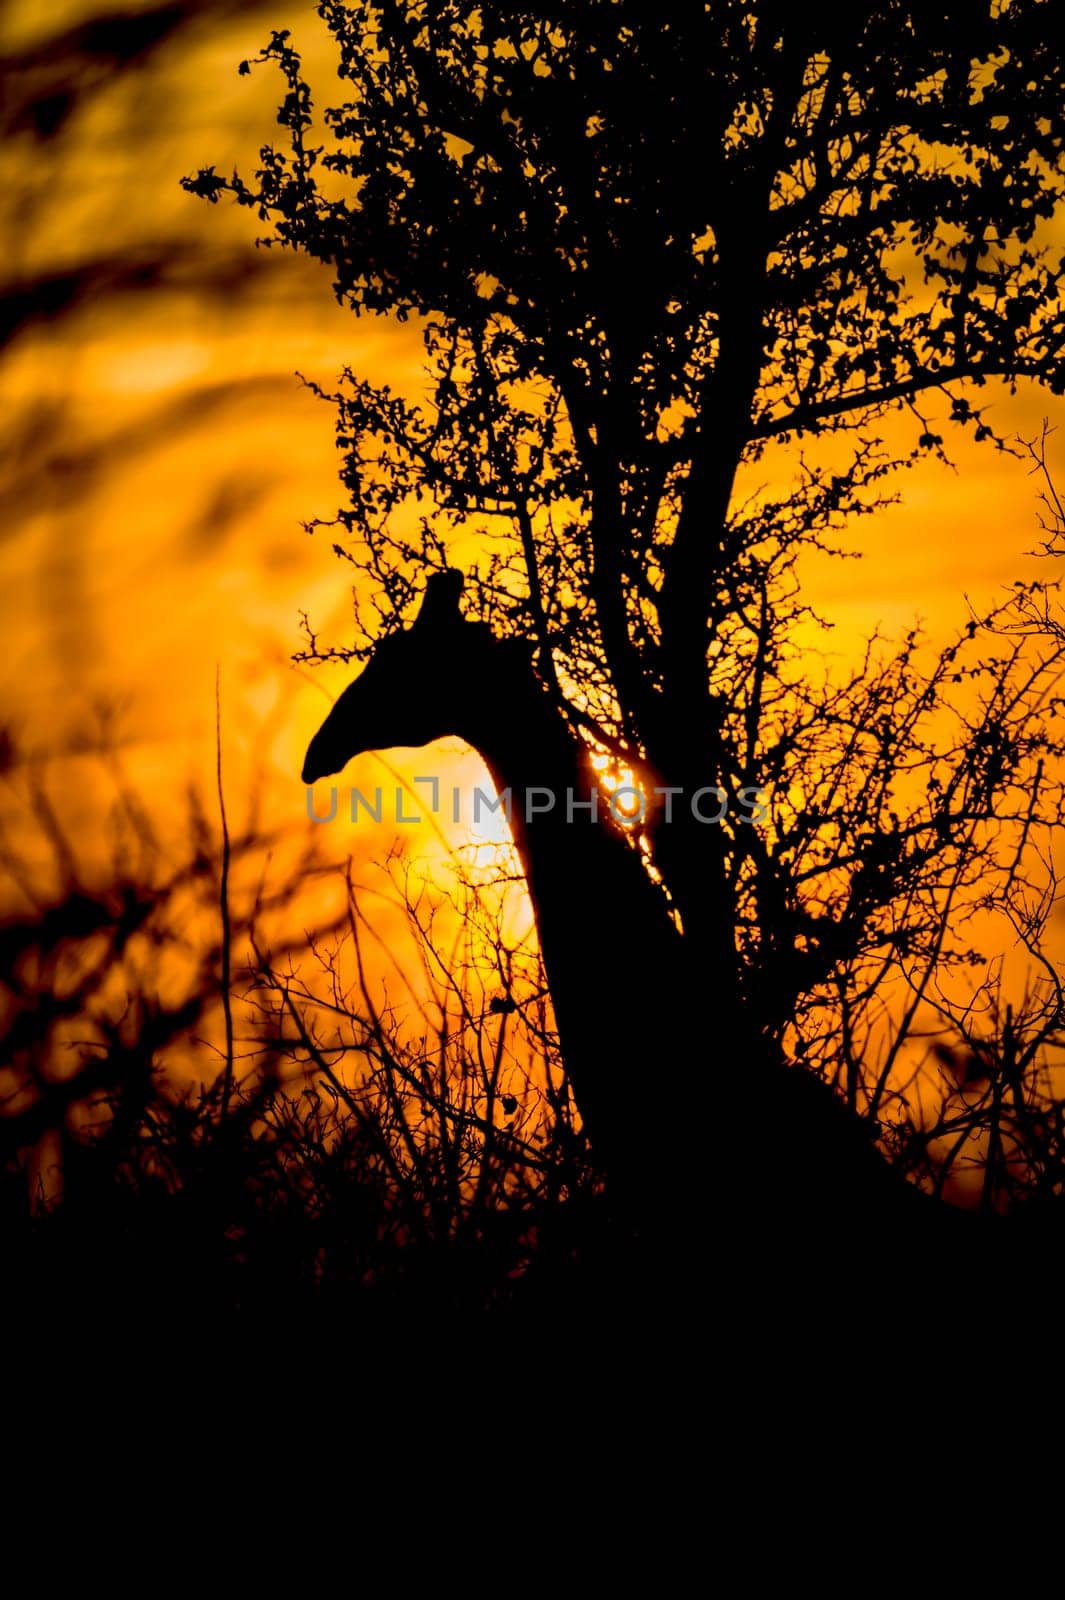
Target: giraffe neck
x=576, y=858
x=610, y=951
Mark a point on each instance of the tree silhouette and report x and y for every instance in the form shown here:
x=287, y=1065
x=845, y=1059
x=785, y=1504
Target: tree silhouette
x=647, y=250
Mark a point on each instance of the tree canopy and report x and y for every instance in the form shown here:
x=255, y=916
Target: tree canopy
x=642, y=244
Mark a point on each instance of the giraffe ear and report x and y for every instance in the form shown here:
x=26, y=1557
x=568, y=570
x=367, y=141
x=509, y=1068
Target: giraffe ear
x=440, y=605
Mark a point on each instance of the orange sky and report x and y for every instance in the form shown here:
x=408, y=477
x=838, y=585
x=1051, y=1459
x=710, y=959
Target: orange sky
x=159, y=453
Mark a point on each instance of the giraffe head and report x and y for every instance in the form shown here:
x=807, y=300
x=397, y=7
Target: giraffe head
x=417, y=686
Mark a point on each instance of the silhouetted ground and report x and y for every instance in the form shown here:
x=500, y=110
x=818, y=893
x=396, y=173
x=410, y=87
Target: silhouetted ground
x=169, y=1234
x=248, y=1226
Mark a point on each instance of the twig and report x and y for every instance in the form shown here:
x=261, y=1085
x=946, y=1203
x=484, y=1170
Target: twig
x=223, y=899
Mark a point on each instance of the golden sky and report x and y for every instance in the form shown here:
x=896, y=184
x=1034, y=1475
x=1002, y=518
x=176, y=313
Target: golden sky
x=157, y=458
x=159, y=454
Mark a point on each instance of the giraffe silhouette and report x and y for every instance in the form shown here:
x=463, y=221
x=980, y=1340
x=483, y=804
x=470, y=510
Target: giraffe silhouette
x=713, y=1145
x=612, y=955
